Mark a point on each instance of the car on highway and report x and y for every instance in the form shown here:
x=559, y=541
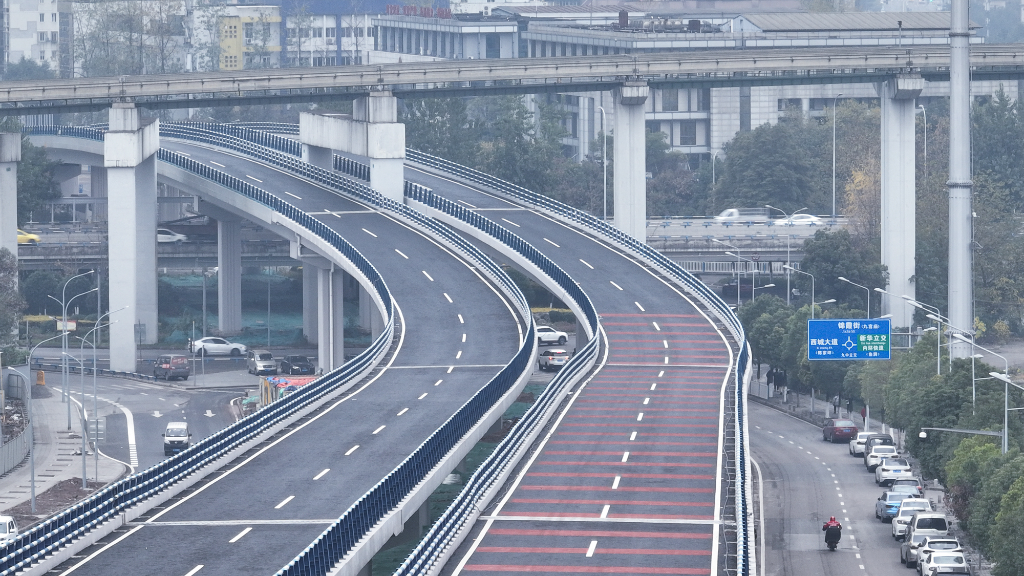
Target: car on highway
x=888, y=503
x=920, y=546
x=27, y=238
x=873, y=458
x=857, y=444
x=891, y=469
x=928, y=523
x=798, y=220
x=552, y=359
x=169, y=366
x=8, y=529
x=163, y=235
x=214, y=346
x=743, y=215
x=295, y=364
x=838, y=429
x=548, y=335
x=905, y=514
x=943, y=562
x=914, y=484
x=260, y=362
x=177, y=437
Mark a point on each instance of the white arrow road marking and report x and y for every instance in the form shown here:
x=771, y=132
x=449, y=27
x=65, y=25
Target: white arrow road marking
x=157, y=414
x=209, y=413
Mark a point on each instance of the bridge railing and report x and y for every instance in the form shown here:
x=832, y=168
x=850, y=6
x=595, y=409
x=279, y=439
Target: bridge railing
x=701, y=291
x=73, y=523
x=450, y=528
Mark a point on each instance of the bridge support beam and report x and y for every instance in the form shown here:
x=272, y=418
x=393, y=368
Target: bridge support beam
x=310, y=312
x=373, y=131
x=899, y=191
x=369, y=316
x=129, y=149
x=331, y=321
x=229, y=275
x=630, y=149
x=10, y=155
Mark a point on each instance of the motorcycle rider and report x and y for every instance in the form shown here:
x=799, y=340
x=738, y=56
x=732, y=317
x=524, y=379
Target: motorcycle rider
x=833, y=532
x=832, y=522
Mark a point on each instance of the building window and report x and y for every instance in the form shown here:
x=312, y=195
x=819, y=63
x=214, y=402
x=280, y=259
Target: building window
x=318, y=32
x=42, y=36
x=53, y=36
x=333, y=61
x=332, y=32
x=53, y=17
x=42, y=17
x=670, y=99
x=318, y=61
x=688, y=133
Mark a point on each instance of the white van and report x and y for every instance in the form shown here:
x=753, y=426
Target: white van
x=8, y=529
x=177, y=438
x=743, y=215
x=931, y=524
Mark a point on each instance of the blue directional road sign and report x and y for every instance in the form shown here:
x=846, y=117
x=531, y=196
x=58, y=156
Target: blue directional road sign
x=836, y=339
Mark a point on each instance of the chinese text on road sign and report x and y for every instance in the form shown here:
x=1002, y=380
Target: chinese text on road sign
x=836, y=339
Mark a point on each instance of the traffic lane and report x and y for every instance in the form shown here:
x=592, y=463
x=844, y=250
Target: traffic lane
x=357, y=441
x=802, y=490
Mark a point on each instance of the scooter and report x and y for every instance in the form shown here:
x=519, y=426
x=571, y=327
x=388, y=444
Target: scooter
x=832, y=536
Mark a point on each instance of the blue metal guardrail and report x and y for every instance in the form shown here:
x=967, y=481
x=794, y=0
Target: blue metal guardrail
x=698, y=288
x=73, y=523
x=342, y=536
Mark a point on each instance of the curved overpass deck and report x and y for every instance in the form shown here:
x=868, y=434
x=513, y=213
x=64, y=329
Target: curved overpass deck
x=457, y=332
x=630, y=480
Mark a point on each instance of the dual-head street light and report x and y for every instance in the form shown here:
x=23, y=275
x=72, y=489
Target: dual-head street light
x=868, y=301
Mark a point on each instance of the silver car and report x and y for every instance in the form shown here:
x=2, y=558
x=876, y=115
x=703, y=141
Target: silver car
x=552, y=359
x=260, y=362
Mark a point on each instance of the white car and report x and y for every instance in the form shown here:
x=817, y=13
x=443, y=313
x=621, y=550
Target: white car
x=163, y=235
x=890, y=469
x=857, y=444
x=943, y=562
x=8, y=529
x=552, y=359
x=874, y=458
x=213, y=346
x=798, y=220
x=921, y=546
x=905, y=513
x=548, y=335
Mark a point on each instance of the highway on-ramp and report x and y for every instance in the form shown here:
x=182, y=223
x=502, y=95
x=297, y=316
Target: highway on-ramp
x=259, y=512
x=629, y=481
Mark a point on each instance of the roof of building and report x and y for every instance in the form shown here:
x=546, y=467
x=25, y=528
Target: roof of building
x=848, y=21
x=549, y=10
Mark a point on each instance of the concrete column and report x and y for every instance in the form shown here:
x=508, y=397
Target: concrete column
x=310, y=311
x=98, y=183
x=10, y=155
x=128, y=156
x=630, y=159
x=369, y=316
x=229, y=276
x=373, y=131
x=318, y=156
x=331, y=325
x=898, y=192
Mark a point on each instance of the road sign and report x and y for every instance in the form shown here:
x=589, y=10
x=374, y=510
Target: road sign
x=837, y=339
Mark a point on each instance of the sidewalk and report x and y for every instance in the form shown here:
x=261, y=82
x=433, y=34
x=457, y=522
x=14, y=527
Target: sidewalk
x=58, y=461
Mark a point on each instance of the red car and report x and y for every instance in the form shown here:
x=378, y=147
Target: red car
x=839, y=430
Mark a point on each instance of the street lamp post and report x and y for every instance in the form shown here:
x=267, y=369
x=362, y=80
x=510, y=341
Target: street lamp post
x=714, y=157
x=1005, y=377
x=868, y=296
x=788, y=238
x=974, y=391
x=737, y=272
x=835, y=120
x=762, y=287
x=95, y=410
x=788, y=267
x=604, y=163
x=753, y=276
x=938, y=322
x=64, y=341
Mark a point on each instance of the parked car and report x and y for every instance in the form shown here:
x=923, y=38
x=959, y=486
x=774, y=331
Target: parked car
x=212, y=345
x=552, y=359
x=909, y=508
x=928, y=523
x=914, y=483
x=163, y=235
x=888, y=503
x=889, y=469
x=294, y=364
x=548, y=335
x=169, y=366
x=920, y=546
x=900, y=522
x=839, y=429
x=857, y=444
x=873, y=458
x=27, y=238
x=877, y=439
x=943, y=562
x=798, y=220
x=8, y=529
x=260, y=362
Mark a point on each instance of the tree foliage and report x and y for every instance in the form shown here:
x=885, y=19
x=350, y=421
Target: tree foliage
x=11, y=302
x=36, y=183
x=442, y=127
x=28, y=70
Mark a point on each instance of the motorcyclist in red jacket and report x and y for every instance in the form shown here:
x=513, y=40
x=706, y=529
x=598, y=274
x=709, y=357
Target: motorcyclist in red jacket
x=831, y=522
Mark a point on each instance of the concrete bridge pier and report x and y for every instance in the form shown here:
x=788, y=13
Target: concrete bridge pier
x=229, y=267
x=373, y=131
x=310, y=312
x=10, y=155
x=630, y=148
x=899, y=191
x=129, y=156
x=369, y=316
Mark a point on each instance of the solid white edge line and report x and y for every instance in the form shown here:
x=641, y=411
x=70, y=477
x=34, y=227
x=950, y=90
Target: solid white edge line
x=760, y=500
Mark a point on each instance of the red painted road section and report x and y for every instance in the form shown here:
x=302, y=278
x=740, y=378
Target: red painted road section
x=627, y=482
